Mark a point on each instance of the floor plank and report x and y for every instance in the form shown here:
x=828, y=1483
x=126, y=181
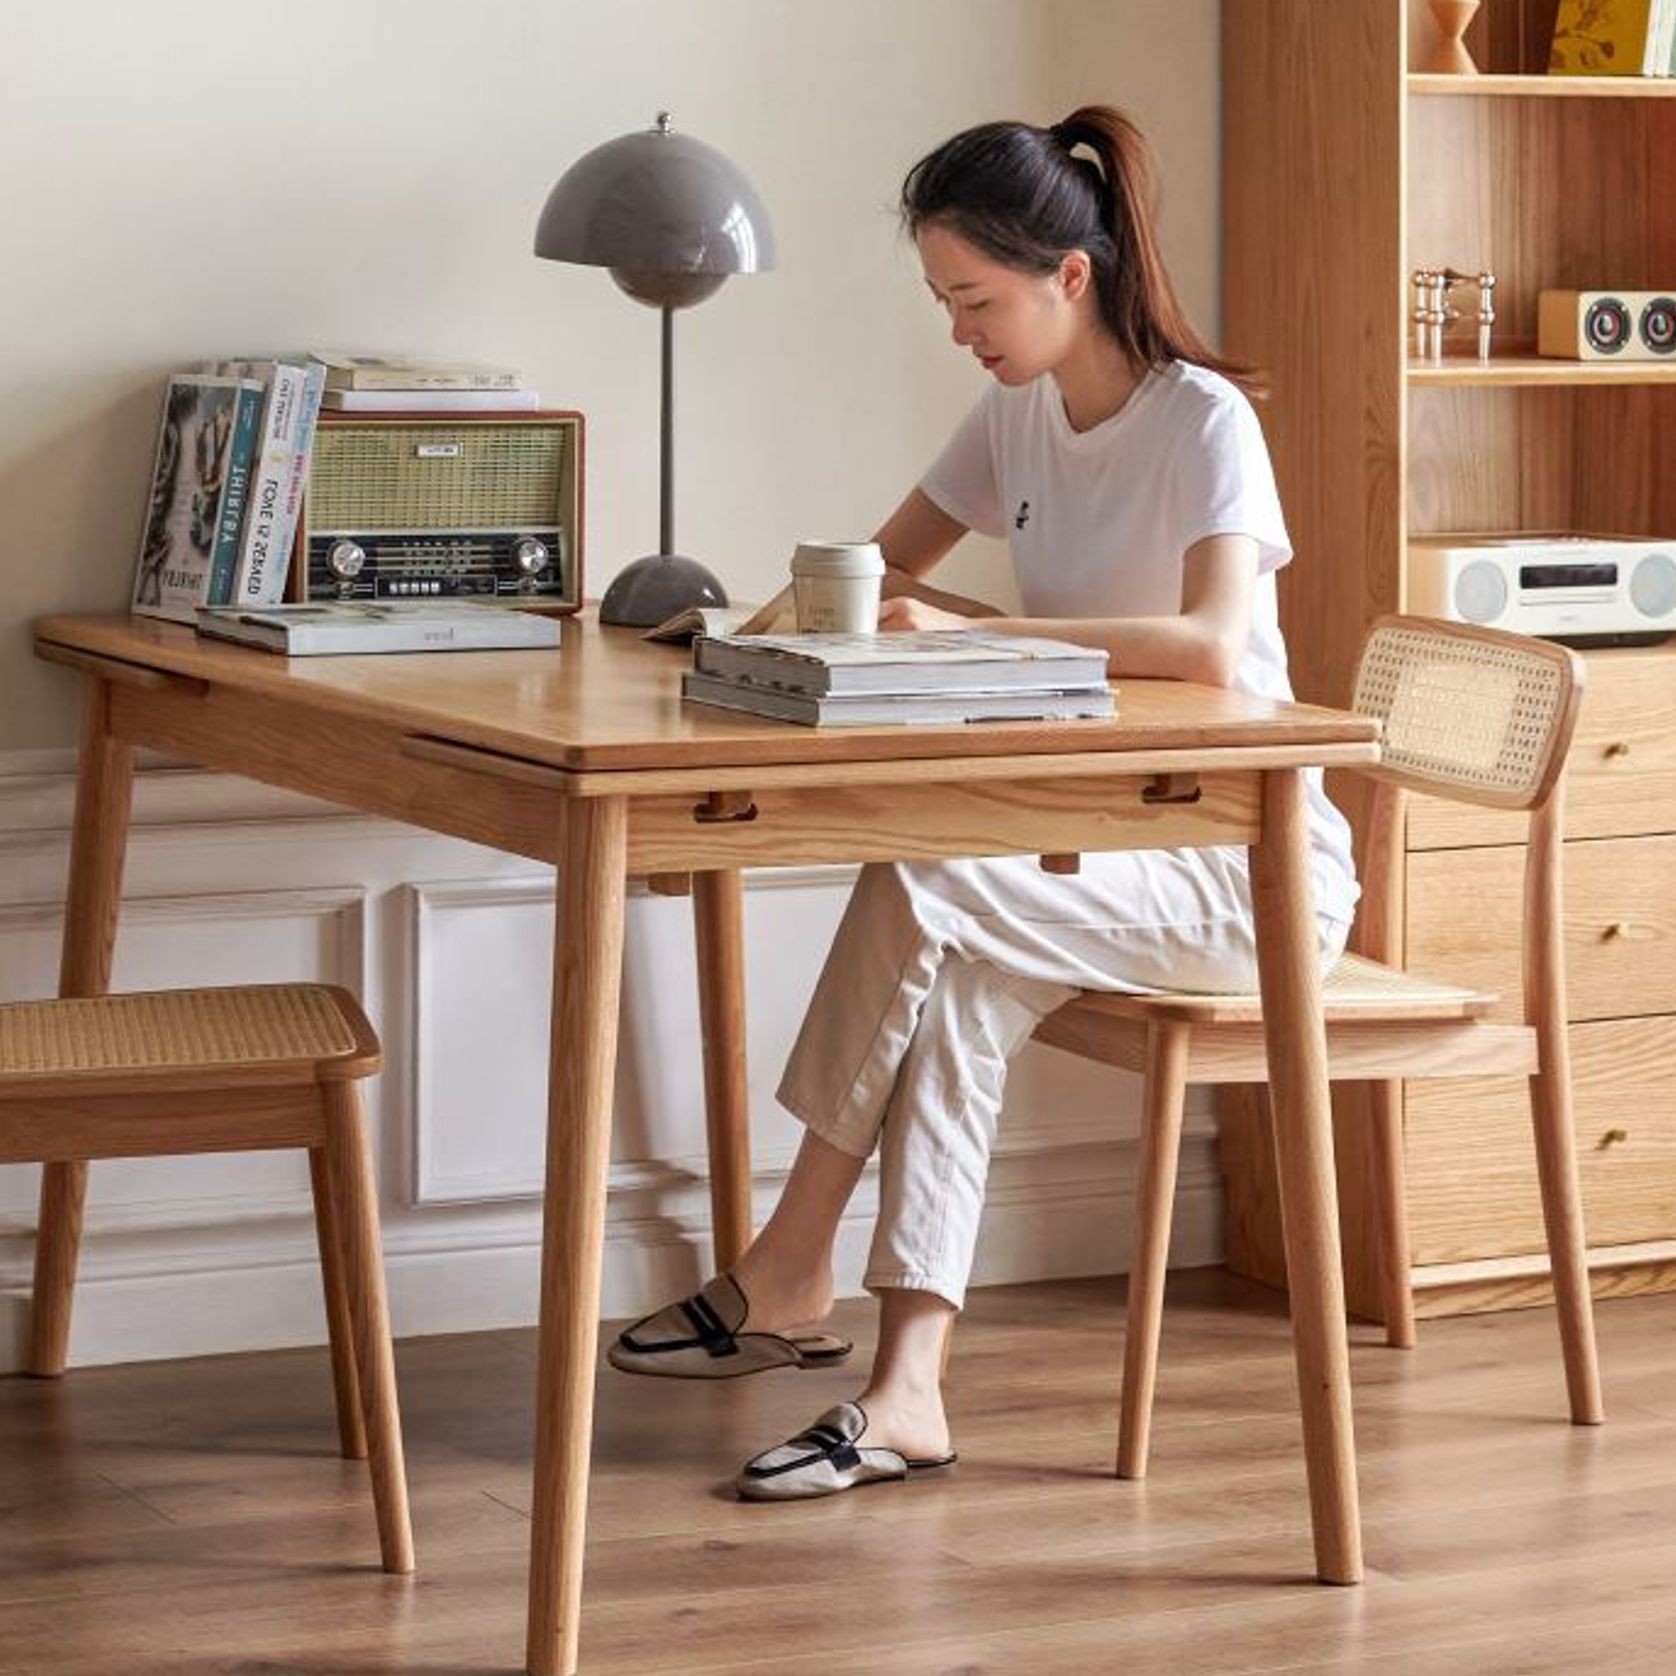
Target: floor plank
x=193, y=1517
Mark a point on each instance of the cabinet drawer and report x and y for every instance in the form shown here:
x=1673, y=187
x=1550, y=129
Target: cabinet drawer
x=1620, y=923
x=1471, y=1160
x=1621, y=779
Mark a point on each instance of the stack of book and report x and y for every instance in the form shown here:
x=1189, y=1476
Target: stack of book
x=391, y=384
x=227, y=485
x=927, y=678
x=1614, y=38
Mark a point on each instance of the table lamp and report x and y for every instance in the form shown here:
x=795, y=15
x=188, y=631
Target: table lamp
x=670, y=218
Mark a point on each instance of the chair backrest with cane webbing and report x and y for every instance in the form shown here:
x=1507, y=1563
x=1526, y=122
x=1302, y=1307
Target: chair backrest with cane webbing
x=1469, y=713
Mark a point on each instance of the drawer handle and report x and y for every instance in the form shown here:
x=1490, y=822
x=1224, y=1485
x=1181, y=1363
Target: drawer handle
x=1618, y=748
x=1613, y=1137
x=1626, y=930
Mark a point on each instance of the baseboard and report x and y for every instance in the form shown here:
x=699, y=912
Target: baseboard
x=1051, y=1214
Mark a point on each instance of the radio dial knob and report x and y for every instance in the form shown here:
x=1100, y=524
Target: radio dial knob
x=530, y=555
x=345, y=559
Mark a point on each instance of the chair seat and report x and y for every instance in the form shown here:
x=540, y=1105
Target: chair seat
x=269, y=1032
x=1355, y=988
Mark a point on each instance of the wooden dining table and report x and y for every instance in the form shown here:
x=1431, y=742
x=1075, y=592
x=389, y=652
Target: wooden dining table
x=587, y=758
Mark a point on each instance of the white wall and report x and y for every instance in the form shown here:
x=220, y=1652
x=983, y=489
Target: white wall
x=189, y=178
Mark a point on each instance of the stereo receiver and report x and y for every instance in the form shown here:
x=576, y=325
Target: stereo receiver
x=427, y=505
x=1599, y=590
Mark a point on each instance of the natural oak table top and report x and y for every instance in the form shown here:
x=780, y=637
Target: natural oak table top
x=608, y=700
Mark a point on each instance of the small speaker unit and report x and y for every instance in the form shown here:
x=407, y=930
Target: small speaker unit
x=443, y=505
x=1606, y=325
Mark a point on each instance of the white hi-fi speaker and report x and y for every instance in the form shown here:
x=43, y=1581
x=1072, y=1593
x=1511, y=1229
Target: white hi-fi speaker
x=1585, y=588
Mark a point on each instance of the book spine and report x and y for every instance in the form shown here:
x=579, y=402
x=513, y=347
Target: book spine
x=258, y=553
x=239, y=463
x=426, y=378
x=296, y=480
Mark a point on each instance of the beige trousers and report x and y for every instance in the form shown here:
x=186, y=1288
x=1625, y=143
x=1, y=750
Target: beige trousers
x=939, y=973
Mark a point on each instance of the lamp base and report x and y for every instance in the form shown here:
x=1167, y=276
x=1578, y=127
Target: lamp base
x=645, y=592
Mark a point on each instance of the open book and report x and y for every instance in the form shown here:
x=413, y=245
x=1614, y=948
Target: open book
x=774, y=617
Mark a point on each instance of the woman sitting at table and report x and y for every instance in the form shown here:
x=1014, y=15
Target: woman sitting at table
x=1124, y=464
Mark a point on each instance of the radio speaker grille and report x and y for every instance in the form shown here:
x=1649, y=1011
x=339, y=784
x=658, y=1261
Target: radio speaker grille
x=416, y=477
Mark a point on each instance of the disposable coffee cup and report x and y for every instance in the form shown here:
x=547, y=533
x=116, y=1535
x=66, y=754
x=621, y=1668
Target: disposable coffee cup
x=835, y=586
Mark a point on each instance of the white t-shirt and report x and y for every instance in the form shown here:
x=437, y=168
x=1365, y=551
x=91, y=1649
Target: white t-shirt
x=1100, y=520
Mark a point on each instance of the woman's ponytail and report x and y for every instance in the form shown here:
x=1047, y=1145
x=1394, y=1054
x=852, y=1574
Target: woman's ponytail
x=1026, y=196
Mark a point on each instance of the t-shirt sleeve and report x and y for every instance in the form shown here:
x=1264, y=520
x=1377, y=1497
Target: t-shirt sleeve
x=1223, y=483
x=963, y=480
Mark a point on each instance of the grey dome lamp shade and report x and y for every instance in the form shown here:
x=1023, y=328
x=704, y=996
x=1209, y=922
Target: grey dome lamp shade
x=671, y=218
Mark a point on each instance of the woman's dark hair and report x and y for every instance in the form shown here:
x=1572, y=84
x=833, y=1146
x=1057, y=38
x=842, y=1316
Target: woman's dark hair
x=1023, y=197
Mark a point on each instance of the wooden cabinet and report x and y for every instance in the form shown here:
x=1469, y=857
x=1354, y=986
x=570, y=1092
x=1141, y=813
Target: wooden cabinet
x=1342, y=172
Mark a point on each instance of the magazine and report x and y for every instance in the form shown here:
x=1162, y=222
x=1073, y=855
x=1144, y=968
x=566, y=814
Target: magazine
x=924, y=660
x=193, y=475
x=342, y=626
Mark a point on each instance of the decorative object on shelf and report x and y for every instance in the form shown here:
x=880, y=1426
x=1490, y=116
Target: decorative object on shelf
x=1613, y=38
x=1607, y=325
x=1432, y=309
x=670, y=218
x=1451, y=58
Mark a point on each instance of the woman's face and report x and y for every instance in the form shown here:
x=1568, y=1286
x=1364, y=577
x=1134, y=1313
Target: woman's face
x=1019, y=325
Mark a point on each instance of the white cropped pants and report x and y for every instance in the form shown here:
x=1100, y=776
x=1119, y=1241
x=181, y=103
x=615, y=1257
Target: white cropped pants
x=939, y=973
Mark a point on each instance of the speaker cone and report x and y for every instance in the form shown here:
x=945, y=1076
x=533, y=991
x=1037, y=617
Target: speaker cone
x=1606, y=326
x=1658, y=325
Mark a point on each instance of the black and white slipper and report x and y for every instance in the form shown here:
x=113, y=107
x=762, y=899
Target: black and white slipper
x=700, y=1338
x=828, y=1458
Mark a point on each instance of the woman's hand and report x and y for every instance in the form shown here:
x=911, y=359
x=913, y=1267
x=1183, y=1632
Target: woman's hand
x=906, y=613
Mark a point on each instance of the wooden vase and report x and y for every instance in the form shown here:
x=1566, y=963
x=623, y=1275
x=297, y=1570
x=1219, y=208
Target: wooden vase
x=1451, y=58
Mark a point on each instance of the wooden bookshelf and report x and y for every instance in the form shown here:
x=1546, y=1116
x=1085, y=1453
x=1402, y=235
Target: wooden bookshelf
x=1332, y=196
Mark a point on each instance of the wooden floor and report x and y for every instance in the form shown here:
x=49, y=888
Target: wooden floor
x=191, y=1517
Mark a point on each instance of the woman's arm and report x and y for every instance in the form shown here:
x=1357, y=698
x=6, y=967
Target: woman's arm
x=914, y=540
x=1204, y=643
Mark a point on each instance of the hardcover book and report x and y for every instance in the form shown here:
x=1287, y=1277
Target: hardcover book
x=901, y=709
x=190, y=480
x=433, y=401
x=1609, y=38
x=342, y=626
x=392, y=372
x=926, y=660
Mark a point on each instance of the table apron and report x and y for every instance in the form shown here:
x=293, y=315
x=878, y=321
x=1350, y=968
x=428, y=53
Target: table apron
x=357, y=764
x=810, y=825
x=362, y=766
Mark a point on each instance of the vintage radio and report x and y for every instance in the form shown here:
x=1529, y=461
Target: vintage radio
x=1606, y=325
x=1585, y=589
x=417, y=505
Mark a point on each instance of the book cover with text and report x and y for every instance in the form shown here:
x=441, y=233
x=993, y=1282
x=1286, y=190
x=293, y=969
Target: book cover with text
x=189, y=485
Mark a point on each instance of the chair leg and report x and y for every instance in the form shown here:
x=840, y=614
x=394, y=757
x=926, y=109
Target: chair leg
x=1562, y=1215
x=1165, y=1090
x=1390, y=1192
x=57, y=1245
x=349, y=1162
x=340, y=1331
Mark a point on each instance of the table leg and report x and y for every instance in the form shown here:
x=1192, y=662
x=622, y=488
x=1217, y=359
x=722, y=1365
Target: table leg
x=718, y=915
x=1289, y=966
x=587, y=980
x=98, y=847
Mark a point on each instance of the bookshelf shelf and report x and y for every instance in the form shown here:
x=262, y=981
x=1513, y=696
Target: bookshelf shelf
x=1543, y=87
x=1507, y=372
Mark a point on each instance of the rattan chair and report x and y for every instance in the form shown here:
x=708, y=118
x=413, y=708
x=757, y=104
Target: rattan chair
x=1471, y=714
x=226, y=1070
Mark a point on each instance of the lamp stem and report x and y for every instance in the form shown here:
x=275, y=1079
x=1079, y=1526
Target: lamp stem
x=666, y=449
